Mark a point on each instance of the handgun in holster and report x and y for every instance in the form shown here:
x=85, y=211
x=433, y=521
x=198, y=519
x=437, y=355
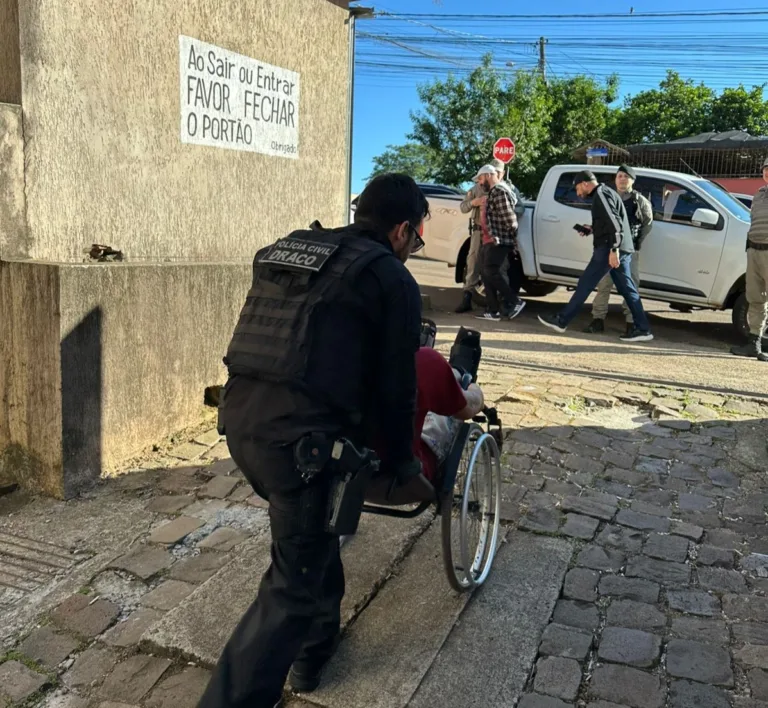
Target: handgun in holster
x=352, y=472
x=466, y=352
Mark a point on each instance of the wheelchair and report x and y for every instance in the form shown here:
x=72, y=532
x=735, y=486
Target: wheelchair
x=467, y=492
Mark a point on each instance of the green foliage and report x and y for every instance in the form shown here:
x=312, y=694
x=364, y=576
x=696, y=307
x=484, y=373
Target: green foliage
x=460, y=119
x=739, y=109
x=678, y=108
x=414, y=159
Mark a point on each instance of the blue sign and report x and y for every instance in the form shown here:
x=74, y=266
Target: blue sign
x=597, y=152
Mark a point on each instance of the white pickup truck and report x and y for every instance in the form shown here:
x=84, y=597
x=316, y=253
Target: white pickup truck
x=694, y=257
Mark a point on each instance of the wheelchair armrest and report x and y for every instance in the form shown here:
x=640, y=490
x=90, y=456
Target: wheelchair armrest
x=418, y=489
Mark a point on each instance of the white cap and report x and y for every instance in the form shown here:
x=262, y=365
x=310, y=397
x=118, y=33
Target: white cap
x=485, y=170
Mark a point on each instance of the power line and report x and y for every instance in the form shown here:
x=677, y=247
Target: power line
x=574, y=16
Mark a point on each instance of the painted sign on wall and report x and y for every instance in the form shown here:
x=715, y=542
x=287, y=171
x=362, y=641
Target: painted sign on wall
x=232, y=101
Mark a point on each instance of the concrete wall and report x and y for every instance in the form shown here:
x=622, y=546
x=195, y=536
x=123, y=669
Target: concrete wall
x=104, y=158
x=30, y=377
x=98, y=361
x=13, y=233
x=10, y=66
x=149, y=339
x=104, y=360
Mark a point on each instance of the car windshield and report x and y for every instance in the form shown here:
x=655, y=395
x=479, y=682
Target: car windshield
x=730, y=202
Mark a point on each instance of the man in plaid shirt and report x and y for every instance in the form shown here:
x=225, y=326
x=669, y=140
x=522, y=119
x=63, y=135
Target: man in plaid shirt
x=499, y=246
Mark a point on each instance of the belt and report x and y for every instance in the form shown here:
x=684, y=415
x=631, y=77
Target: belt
x=757, y=246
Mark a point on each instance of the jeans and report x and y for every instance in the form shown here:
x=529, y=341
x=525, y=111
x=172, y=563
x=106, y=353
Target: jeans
x=493, y=258
x=296, y=616
x=600, y=303
x=596, y=269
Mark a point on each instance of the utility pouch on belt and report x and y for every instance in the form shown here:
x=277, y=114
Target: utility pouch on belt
x=353, y=470
x=428, y=333
x=220, y=410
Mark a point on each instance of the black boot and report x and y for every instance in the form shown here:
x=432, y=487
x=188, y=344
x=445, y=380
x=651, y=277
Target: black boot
x=751, y=349
x=595, y=327
x=466, y=303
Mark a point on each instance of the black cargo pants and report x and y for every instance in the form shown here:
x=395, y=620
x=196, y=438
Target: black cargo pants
x=296, y=615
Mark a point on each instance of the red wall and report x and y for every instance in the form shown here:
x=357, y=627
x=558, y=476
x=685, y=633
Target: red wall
x=740, y=186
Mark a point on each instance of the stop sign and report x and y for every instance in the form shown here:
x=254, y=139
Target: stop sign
x=504, y=150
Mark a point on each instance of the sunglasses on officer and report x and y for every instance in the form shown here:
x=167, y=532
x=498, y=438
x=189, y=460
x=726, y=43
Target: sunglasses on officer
x=418, y=241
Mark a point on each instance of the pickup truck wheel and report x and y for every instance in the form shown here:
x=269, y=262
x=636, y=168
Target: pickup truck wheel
x=536, y=288
x=739, y=315
x=739, y=318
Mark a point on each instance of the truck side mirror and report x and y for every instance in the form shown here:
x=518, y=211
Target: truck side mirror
x=706, y=218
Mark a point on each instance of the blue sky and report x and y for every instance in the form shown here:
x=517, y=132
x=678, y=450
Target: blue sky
x=719, y=51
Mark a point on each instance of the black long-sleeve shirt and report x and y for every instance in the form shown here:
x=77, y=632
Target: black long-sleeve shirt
x=368, y=356
x=610, y=225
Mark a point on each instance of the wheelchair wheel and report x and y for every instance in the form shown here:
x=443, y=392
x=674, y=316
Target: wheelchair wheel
x=470, y=514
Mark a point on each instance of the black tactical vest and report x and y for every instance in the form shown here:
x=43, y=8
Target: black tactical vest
x=294, y=280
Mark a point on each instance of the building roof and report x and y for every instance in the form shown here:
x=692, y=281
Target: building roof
x=729, y=140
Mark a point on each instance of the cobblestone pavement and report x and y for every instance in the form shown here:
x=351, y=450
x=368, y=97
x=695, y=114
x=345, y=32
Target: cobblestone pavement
x=660, y=490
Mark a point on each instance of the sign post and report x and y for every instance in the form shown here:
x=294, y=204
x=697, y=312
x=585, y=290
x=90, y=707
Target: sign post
x=504, y=150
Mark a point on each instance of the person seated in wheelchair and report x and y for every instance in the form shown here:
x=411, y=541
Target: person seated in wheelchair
x=441, y=405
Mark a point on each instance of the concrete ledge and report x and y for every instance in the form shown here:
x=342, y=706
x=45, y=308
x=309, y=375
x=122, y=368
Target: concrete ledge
x=99, y=361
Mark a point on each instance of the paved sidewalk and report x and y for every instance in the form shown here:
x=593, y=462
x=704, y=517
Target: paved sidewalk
x=657, y=496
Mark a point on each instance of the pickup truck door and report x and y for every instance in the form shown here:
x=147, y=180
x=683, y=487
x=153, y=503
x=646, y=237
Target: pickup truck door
x=440, y=228
x=561, y=253
x=679, y=259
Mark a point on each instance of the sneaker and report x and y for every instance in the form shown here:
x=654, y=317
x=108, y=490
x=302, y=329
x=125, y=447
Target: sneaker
x=595, y=327
x=516, y=310
x=637, y=335
x=629, y=329
x=491, y=316
x=553, y=322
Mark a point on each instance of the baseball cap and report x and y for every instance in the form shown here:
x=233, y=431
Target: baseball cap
x=627, y=170
x=498, y=164
x=485, y=170
x=584, y=176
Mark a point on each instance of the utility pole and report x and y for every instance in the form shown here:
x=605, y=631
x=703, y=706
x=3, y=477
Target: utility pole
x=543, y=58
x=355, y=13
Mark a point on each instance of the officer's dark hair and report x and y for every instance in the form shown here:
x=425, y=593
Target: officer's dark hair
x=391, y=199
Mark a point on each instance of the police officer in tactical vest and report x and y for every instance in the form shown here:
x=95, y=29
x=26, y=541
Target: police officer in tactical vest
x=757, y=275
x=321, y=363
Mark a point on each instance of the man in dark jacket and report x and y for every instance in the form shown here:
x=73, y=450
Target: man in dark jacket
x=612, y=254
x=640, y=214
x=322, y=363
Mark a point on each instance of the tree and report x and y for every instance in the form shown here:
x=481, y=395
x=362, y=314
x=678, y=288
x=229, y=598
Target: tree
x=414, y=159
x=462, y=118
x=459, y=121
x=739, y=109
x=677, y=109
